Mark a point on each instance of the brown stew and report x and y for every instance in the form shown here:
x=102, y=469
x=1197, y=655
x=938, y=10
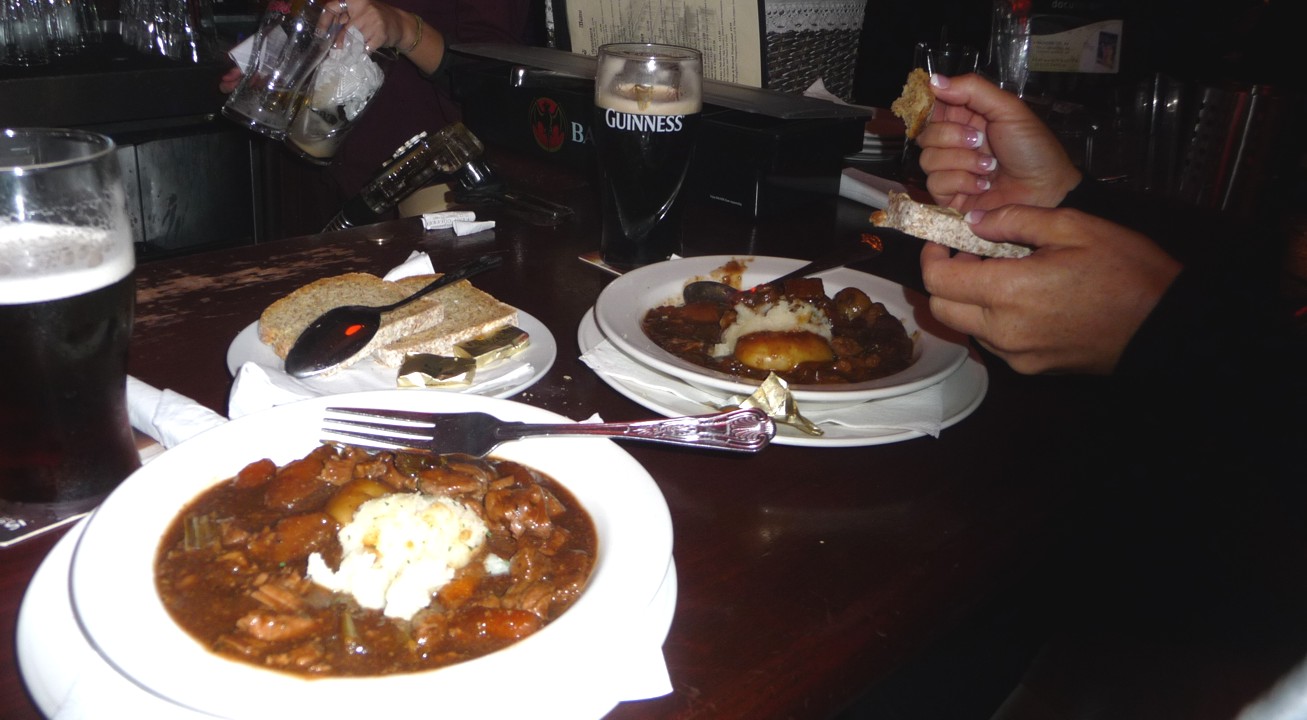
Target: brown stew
x=867, y=341
x=231, y=568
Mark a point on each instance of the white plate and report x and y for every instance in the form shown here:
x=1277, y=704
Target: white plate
x=963, y=391
x=368, y=374
x=115, y=601
x=623, y=303
x=67, y=678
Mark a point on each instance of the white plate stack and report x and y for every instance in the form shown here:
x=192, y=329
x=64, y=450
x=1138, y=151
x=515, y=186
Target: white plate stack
x=944, y=384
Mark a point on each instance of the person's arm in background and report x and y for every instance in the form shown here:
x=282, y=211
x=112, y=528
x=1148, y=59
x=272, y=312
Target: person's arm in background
x=383, y=26
x=408, y=33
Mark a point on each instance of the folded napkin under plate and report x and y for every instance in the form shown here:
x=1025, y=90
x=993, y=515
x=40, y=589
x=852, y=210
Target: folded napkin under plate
x=925, y=412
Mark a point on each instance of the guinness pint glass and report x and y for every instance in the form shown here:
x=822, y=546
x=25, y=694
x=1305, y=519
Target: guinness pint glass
x=66, y=304
x=647, y=104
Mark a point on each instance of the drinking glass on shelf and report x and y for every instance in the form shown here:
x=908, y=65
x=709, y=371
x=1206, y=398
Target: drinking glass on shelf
x=63, y=22
x=1009, y=61
x=26, y=34
x=66, y=303
x=945, y=58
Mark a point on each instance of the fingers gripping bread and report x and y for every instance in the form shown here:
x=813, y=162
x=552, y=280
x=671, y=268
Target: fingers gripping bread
x=941, y=225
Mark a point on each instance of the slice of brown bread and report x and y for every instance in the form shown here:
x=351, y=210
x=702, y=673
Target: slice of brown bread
x=941, y=225
x=468, y=313
x=914, y=104
x=283, y=321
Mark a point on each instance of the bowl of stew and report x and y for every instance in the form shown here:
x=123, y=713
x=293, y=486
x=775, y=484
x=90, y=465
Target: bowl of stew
x=238, y=495
x=885, y=343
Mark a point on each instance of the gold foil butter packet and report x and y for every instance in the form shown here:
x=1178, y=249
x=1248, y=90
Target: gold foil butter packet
x=774, y=398
x=435, y=371
x=495, y=346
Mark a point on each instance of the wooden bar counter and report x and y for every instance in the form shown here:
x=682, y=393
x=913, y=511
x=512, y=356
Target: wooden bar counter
x=806, y=575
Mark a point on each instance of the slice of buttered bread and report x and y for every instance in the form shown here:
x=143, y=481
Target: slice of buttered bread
x=283, y=321
x=468, y=313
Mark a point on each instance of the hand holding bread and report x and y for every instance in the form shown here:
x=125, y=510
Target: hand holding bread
x=985, y=148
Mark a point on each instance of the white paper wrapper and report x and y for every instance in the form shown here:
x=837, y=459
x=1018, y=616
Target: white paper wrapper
x=347, y=77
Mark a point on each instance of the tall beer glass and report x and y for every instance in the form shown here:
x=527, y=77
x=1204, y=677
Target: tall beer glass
x=66, y=303
x=647, y=104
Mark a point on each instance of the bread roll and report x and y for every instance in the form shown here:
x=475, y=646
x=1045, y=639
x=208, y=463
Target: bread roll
x=941, y=225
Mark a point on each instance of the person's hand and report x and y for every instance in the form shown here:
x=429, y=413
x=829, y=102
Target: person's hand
x=984, y=148
x=381, y=25
x=385, y=26
x=227, y=83
x=1071, y=306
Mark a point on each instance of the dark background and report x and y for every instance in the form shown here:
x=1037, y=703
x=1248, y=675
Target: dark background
x=1217, y=41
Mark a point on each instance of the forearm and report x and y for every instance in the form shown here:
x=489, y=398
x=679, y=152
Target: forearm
x=421, y=43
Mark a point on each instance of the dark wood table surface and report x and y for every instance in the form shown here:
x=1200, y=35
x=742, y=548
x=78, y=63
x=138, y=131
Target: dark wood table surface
x=806, y=574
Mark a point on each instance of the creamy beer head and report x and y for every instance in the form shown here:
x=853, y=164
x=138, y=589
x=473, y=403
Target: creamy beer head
x=40, y=261
x=626, y=82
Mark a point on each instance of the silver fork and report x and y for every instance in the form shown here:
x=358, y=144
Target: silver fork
x=477, y=433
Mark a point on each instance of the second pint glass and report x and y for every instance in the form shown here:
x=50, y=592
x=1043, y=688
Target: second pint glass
x=647, y=104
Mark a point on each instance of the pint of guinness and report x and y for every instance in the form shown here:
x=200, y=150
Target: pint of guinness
x=66, y=304
x=647, y=104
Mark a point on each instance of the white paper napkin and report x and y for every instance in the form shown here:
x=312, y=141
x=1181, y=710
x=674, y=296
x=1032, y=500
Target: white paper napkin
x=921, y=411
x=418, y=263
x=866, y=188
x=258, y=388
x=166, y=416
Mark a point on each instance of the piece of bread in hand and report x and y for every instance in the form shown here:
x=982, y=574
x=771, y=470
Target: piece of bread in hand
x=913, y=106
x=282, y=322
x=941, y=225
x=468, y=313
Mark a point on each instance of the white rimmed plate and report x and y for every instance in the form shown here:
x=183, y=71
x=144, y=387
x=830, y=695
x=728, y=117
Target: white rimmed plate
x=566, y=663
x=67, y=678
x=961, y=393
x=623, y=303
x=370, y=375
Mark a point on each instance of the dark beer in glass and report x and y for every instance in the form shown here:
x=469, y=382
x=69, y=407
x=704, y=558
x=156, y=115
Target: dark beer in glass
x=648, y=100
x=66, y=306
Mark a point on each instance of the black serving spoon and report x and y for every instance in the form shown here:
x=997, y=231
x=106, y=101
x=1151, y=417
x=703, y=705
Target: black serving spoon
x=866, y=248
x=340, y=333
